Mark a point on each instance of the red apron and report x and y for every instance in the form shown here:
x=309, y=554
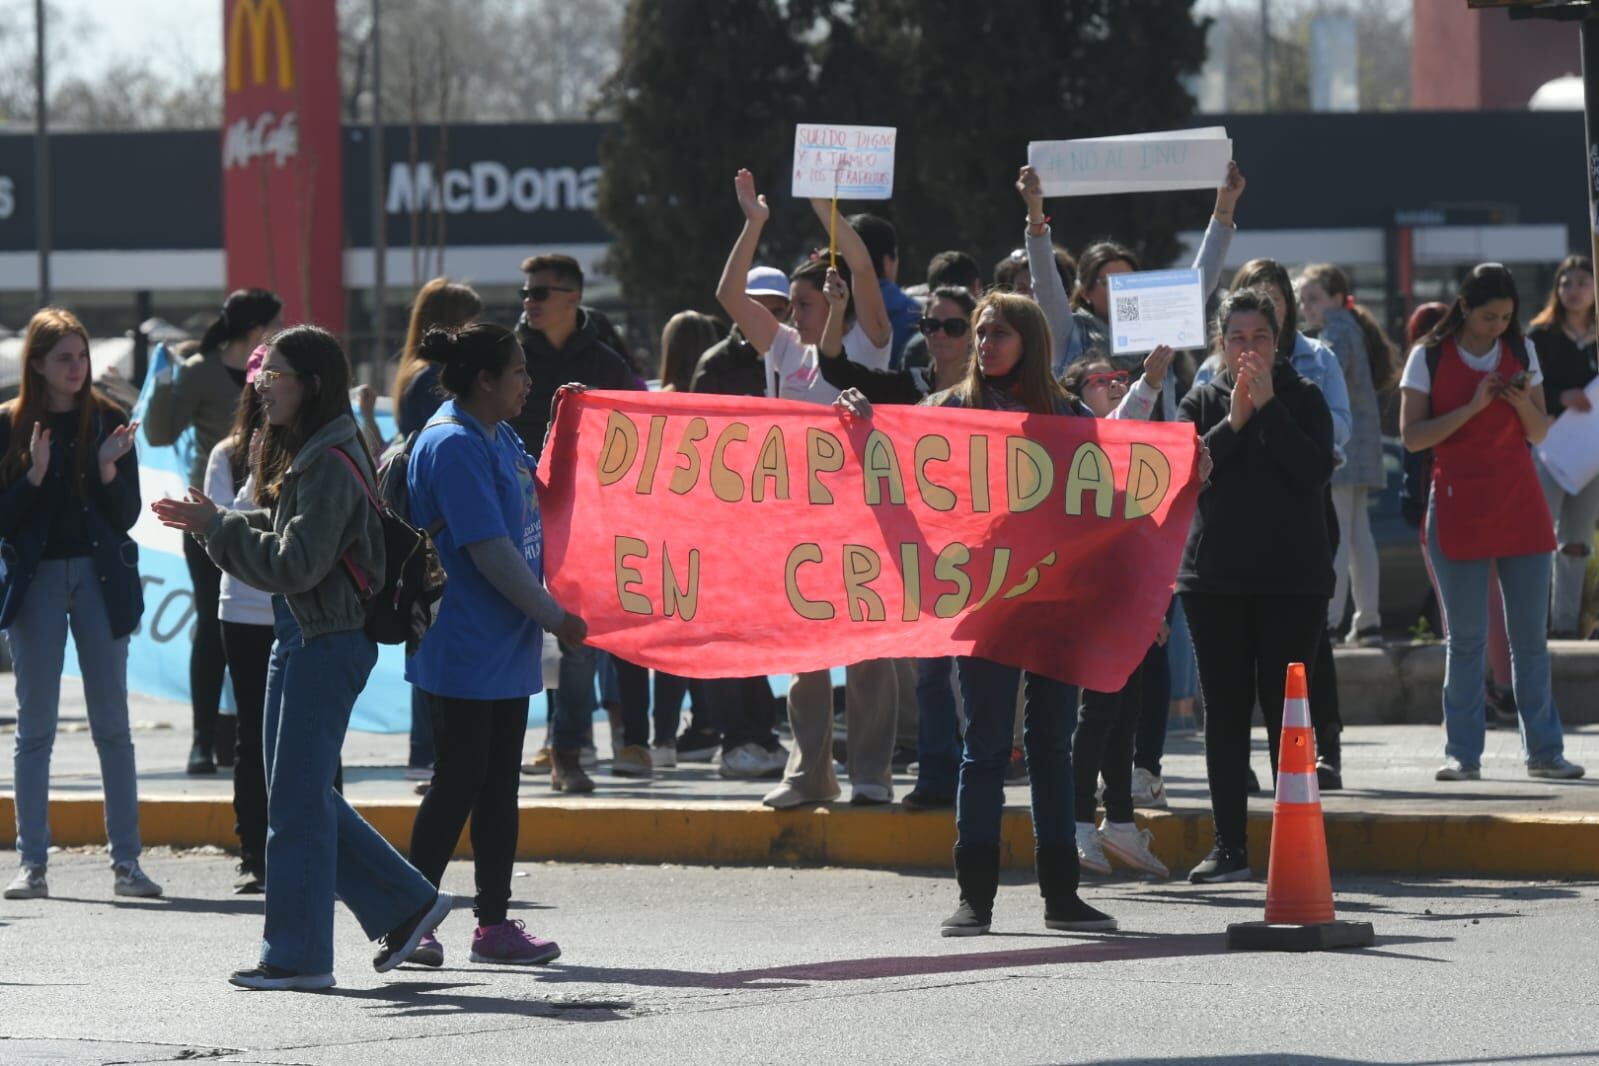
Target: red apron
x=1489, y=502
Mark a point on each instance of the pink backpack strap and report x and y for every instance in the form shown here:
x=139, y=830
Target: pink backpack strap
x=363, y=586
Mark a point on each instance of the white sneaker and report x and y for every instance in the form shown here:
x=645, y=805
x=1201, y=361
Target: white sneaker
x=1129, y=845
x=1090, y=855
x=786, y=797
x=868, y=795
x=28, y=884
x=752, y=760
x=1557, y=769
x=1454, y=770
x=132, y=881
x=1148, y=790
x=664, y=756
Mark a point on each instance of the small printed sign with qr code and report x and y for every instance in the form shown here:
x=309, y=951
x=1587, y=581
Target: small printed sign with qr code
x=1152, y=308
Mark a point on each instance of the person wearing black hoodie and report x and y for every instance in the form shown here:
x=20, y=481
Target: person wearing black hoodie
x=1257, y=570
x=563, y=346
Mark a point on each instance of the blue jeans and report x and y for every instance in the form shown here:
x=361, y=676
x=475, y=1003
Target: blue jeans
x=66, y=593
x=316, y=844
x=938, y=735
x=572, y=718
x=989, y=690
x=1463, y=589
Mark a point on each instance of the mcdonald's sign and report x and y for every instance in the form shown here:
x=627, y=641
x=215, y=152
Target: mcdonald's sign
x=263, y=26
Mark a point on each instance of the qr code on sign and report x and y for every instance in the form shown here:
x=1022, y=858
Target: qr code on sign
x=1127, y=308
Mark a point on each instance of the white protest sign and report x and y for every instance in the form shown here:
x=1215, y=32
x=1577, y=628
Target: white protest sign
x=849, y=162
x=1155, y=307
x=1571, y=450
x=1139, y=162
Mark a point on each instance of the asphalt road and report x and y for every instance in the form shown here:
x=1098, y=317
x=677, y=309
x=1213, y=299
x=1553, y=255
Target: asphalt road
x=756, y=965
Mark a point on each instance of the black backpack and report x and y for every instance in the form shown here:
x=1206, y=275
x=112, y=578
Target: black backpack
x=401, y=610
x=1416, y=485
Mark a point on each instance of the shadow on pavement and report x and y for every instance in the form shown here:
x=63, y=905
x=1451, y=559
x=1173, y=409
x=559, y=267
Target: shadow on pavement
x=178, y=904
x=428, y=999
x=1287, y=1059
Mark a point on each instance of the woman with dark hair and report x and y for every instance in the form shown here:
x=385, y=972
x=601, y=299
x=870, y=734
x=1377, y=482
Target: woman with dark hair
x=1563, y=334
x=69, y=493
x=1473, y=393
x=441, y=302
x=1257, y=569
x=687, y=336
x=1366, y=356
x=470, y=478
x=203, y=394
x=315, y=543
x=245, y=614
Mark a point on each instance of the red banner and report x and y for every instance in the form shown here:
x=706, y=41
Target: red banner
x=718, y=536
x=282, y=169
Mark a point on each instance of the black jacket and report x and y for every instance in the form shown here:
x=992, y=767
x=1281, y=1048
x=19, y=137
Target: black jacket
x=730, y=367
x=1564, y=364
x=585, y=359
x=27, y=513
x=1261, y=527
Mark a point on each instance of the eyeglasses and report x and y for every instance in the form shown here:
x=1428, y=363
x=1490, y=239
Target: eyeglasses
x=266, y=379
x=539, y=293
x=1113, y=377
x=954, y=327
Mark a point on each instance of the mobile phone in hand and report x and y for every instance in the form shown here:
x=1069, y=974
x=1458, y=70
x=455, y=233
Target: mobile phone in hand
x=1519, y=381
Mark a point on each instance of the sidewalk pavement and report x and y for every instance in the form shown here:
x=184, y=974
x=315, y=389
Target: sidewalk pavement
x=1392, y=817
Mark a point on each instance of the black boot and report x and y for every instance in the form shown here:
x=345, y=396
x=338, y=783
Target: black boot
x=1059, y=873
x=977, y=873
x=200, y=758
x=227, y=740
x=1329, y=760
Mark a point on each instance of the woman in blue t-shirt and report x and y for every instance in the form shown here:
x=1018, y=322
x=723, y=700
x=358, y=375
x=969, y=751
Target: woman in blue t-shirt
x=470, y=474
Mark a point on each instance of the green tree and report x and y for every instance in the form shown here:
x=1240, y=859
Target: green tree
x=706, y=86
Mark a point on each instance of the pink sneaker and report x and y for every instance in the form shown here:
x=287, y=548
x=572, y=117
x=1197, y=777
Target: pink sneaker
x=509, y=942
x=428, y=952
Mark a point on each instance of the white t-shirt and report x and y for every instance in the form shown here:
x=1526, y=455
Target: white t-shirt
x=1416, y=375
x=797, y=368
x=238, y=602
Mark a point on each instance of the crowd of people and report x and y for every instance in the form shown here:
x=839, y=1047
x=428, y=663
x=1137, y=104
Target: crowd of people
x=286, y=530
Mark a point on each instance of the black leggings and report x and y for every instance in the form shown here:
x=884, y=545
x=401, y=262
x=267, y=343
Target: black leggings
x=248, y=649
x=1244, y=645
x=669, y=692
x=206, y=662
x=1107, y=723
x=743, y=709
x=476, y=773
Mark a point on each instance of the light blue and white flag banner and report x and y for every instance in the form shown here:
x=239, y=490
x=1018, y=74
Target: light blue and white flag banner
x=158, y=651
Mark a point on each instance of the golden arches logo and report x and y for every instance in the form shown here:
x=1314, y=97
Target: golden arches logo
x=264, y=23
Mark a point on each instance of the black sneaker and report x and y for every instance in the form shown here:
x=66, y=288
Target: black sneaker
x=200, y=761
x=1222, y=864
x=919, y=799
x=1500, y=706
x=251, y=882
x=902, y=758
x=698, y=745
x=966, y=921
x=1075, y=916
x=397, y=944
x=227, y=741
x=1328, y=777
x=1251, y=782
x=264, y=978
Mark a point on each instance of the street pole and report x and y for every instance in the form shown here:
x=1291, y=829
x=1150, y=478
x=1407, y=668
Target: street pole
x=1265, y=57
x=380, y=241
x=41, y=156
x=1590, y=119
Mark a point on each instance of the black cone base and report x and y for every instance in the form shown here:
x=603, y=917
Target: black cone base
x=1328, y=936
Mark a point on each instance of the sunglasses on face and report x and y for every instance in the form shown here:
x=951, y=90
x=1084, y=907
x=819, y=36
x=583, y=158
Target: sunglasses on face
x=539, y=293
x=954, y=327
x=266, y=379
x=1106, y=379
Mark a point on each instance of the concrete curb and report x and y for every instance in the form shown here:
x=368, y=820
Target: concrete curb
x=737, y=833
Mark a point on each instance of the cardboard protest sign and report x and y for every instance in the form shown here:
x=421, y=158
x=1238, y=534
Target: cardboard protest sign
x=844, y=162
x=721, y=536
x=1140, y=162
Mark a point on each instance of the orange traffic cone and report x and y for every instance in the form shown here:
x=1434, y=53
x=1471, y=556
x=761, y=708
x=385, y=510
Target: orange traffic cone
x=1299, y=901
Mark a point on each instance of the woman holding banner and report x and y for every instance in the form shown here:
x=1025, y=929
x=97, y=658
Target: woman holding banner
x=318, y=535
x=1472, y=392
x=1257, y=570
x=69, y=493
x=203, y=395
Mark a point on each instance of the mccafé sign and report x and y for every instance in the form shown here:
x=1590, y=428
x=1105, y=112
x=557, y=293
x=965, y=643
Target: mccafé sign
x=282, y=171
